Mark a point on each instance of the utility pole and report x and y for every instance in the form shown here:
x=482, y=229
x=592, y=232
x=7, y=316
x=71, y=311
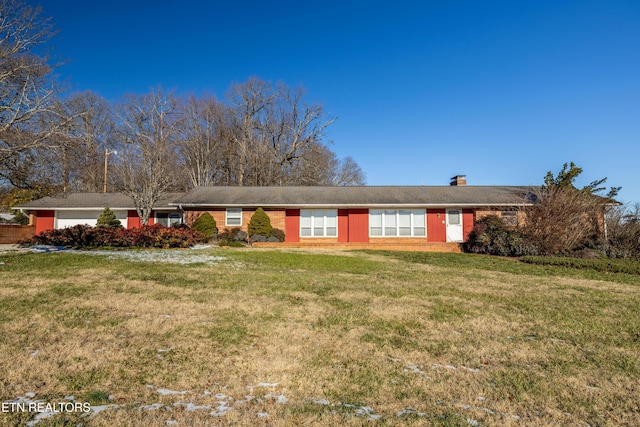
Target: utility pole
x=106, y=157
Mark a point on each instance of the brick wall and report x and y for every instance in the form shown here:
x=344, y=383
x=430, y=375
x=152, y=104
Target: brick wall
x=277, y=217
x=16, y=233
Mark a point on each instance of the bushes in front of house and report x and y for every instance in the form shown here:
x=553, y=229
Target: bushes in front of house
x=148, y=236
x=491, y=236
x=206, y=225
x=259, y=224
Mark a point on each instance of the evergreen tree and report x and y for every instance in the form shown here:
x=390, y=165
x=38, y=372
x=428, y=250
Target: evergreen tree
x=108, y=219
x=260, y=224
x=206, y=225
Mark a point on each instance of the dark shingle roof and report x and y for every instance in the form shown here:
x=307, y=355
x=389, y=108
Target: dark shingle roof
x=93, y=200
x=355, y=196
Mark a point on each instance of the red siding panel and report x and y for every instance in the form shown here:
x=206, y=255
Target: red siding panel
x=45, y=221
x=358, y=225
x=467, y=223
x=436, y=225
x=133, y=220
x=343, y=225
x=292, y=225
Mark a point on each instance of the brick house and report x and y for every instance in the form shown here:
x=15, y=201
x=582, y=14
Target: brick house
x=367, y=216
x=51, y=213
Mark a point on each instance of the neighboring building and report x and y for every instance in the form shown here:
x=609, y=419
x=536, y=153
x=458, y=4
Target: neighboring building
x=63, y=211
x=368, y=214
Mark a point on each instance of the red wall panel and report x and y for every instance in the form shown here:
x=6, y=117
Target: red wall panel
x=467, y=223
x=45, y=221
x=436, y=225
x=343, y=225
x=292, y=225
x=133, y=220
x=358, y=225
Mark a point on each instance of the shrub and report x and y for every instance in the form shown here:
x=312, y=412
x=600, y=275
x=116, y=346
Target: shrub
x=257, y=238
x=231, y=244
x=260, y=223
x=623, y=225
x=206, y=225
x=148, y=236
x=491, y=236
x=278, y=234
x=232, y=235
x=20, y=218
x=108, y=219
x=602, y=264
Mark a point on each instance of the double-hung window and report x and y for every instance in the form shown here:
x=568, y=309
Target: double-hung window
x=234, y=217
x=397, y=223
x=168, y=219
x=318, y=223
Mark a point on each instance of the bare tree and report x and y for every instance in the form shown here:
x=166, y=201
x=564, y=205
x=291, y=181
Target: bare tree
x=203, y=141
x=272, y=129
x=564, y=218
x=623, y=230
x=89, y=132
x=27, y=88
x=148, y=166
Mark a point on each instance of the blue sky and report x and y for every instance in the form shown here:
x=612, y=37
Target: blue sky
x=502, y=91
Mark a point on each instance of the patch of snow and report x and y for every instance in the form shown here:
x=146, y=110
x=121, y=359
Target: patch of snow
x=221, y=409
x=324, y=402
x=171, y=422
x=279, y=398
x=172, y=256
x=191, y=407
x=95, y=410
x=410, y=411
x=267, y=385
x=413, y=368
x=167, y=392
x=473, y=422
x=262, y=414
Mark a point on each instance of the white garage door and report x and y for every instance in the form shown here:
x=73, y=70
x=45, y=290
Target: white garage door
x=66, y=219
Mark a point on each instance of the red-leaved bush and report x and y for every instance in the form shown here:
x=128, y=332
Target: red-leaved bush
x=148, y=236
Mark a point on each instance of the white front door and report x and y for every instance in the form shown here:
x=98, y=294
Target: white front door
x=454, y=225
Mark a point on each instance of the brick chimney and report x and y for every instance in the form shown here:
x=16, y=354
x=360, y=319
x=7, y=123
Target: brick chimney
x=458, y=180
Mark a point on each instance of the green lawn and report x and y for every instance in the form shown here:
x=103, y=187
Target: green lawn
x=284, y=338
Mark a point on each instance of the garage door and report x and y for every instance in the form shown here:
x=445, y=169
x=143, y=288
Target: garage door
x=66, y=219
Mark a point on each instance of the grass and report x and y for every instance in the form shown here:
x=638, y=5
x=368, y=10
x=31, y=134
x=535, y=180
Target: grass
x=320, y=338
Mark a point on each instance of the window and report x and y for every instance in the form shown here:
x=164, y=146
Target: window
x=168, y=219
x=397, y=222
x=318, y=223
x=510, y=218
x=234, y=216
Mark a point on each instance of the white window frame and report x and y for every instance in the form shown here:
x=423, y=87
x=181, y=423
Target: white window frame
x=388, y=218
x=321, y=221
x=233, y=214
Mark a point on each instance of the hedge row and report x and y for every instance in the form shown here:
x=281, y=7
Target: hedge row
x=603, y=265
x=148, y=236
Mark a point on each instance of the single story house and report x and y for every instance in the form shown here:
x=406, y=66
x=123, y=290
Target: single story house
x=392, y=215
x=71, y=209
x=360, y=214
